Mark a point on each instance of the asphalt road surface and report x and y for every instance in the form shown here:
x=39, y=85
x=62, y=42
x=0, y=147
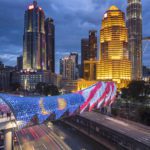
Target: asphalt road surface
x=38, y=138
x=73, y=138
x=54, y=136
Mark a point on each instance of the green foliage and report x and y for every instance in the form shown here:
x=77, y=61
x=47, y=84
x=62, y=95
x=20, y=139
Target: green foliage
x=136, y=90
x=40, y=87
x=125, y=93
x=15, y=86
x=144, y=115
x=47, y=89
x=114, y=111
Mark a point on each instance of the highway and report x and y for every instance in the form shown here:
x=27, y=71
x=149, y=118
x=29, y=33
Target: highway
x=39, y=138
x=59, y=134
x=73, y=138
x=138, y=132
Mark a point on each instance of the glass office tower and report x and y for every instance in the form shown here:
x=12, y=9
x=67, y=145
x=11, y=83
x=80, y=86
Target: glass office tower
x=134, y=25
x=34, y=45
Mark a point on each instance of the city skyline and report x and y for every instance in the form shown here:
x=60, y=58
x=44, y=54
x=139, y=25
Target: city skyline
x=72, y=16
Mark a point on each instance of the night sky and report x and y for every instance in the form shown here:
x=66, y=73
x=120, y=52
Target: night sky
x=73, y=19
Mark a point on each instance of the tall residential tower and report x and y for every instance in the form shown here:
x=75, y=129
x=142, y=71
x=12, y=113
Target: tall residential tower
x=34, y=46
x=134, y=25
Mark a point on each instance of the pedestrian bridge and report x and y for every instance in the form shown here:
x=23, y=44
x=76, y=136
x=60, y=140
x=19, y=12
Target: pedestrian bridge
x=35, y=110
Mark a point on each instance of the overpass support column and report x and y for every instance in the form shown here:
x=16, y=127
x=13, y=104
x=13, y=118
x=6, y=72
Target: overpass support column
x=8, y=139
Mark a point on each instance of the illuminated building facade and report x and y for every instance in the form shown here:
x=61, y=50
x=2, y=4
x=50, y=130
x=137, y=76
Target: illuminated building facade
x=34, y=46
x=29, y=79
x=89, y=55
x=74, y=56
x=134, y=25
x=83, y=84
x=68, y=68
x=114, y=61
x=89, y=72
x=50, y=44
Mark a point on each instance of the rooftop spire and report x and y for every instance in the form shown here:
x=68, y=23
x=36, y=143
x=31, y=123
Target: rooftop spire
x=113, y=7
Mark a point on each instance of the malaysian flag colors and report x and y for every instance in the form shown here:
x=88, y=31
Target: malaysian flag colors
x=97, y=96
x=28, y=109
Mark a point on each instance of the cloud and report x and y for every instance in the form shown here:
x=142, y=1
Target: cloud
x=73, y=20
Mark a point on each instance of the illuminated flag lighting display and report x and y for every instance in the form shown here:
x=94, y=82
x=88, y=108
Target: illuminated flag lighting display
x=30, y=110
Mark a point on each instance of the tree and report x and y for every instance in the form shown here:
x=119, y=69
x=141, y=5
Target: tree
x=47, y=89
x=124, y=93
x=40, y=87
x=147, y=90
x=53, y=90
x=15, y=86
x=144, y=115
x=136, y=89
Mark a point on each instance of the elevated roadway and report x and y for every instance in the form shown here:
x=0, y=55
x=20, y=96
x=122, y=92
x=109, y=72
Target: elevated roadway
x=114, y=133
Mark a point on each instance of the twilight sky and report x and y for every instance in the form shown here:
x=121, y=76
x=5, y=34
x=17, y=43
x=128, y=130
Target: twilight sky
x=73, y=19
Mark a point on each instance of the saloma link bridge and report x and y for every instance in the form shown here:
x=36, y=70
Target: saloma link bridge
x=28, y=111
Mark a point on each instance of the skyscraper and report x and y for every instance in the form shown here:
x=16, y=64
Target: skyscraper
x=92, y=45
x=50, y=44
x=34, y=46
x=19, y=63
x=68, y=68
x=134, y=25
x=89, y=54
x=114, y=61
x=84, y=52
x=74, y=56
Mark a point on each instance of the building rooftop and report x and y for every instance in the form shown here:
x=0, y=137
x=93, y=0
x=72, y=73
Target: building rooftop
x=113, y=7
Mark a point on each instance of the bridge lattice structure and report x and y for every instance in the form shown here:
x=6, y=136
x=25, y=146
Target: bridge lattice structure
x=32, y=110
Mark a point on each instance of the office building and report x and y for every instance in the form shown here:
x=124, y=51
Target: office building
x=50, y=44
x=29, y=79
x=92, y=45
x=134, y=25
x=89, y=72
x=34, y=45
x=89, y=54
x=19, y=63
x=74, y=56
x=114, y=63
x=68, y=68
x=84, y=53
